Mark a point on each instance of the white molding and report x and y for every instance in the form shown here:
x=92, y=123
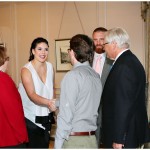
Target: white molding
x=105, y=14
x=16, y=42
x=97, y=13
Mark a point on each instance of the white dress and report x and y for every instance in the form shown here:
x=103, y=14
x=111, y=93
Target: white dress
x=31, y=110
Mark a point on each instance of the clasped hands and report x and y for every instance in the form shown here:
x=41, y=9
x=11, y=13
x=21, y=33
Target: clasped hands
x=52, y=105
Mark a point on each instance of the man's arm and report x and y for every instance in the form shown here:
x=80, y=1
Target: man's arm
x=68, y=96
x=117, y=146
x=124, y=102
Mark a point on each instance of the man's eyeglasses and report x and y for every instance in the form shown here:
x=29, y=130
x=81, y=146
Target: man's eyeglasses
x=105, y=43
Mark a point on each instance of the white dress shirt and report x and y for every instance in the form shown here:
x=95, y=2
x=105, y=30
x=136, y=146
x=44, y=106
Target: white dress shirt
x=103, y=57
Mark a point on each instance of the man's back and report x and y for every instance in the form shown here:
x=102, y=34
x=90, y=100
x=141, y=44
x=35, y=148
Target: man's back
x=88, y=98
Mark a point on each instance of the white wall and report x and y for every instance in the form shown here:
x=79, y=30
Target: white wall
x=21, y=22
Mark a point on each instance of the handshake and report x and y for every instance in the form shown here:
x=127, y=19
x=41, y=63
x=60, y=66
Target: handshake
x=53, y=104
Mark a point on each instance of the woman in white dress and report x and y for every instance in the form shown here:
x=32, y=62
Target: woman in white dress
x=36, y=90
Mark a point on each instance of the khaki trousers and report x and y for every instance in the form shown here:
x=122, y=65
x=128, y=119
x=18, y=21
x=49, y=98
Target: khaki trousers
x=81, y=142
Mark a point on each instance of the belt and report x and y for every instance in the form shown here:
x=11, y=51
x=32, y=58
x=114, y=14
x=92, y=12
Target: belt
x=82, y=133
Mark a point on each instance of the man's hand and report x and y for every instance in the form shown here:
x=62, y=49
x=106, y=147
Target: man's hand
x=117, y=146
x=51, y=105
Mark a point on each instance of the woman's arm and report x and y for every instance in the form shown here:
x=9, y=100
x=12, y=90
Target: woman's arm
x=28, y=84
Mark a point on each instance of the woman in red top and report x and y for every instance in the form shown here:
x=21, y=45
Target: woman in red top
x=13, y=132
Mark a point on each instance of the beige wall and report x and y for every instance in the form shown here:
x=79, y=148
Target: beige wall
x=21, y=22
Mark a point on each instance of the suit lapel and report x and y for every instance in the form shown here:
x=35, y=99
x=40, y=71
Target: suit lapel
x=106, y=70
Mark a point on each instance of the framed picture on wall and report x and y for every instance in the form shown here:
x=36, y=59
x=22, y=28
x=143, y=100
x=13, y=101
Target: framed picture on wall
x=62, y=57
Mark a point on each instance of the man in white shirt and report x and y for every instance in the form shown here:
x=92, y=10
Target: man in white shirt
x=102, y=65
x=105, y=63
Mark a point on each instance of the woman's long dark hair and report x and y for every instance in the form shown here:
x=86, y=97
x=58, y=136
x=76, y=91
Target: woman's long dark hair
x=34, y=44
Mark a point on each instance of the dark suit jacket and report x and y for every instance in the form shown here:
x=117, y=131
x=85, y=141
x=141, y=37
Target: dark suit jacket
x=124, y=116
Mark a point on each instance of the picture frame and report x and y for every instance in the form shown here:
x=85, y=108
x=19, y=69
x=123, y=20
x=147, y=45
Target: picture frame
x=62, y=57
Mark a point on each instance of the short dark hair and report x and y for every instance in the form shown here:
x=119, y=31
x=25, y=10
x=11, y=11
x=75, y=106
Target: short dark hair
x=2, y=55
x=100, y=29
x=34, y=44
x=83, y=47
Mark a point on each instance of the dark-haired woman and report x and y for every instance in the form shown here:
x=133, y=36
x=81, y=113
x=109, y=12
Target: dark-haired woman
x=36, y=90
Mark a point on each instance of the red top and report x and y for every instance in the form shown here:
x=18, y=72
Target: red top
x=12, y=122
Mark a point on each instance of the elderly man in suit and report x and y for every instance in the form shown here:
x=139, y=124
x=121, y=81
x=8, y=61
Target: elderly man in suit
x=124, y=115
x=102, y=65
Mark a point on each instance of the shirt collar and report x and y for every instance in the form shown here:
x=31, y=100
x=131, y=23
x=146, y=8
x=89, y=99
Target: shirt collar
x=86, y=63
x=120, y=54
x=97, y=55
